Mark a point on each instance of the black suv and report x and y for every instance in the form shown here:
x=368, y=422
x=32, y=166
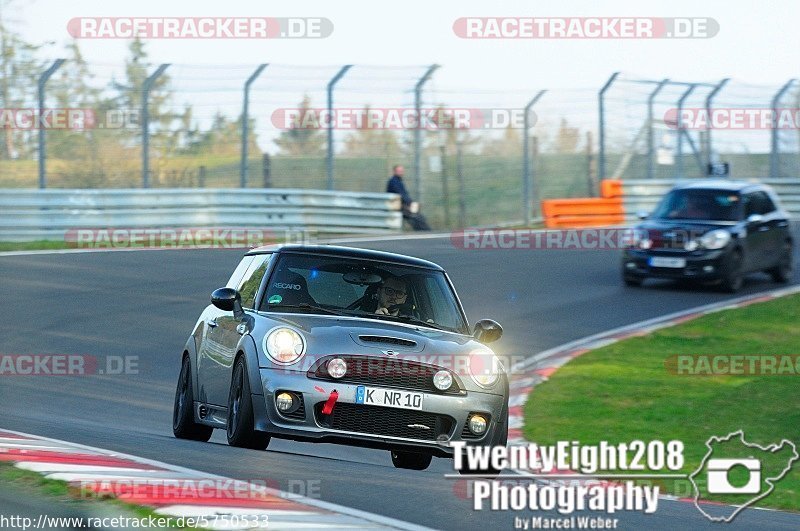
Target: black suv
x=715, y=231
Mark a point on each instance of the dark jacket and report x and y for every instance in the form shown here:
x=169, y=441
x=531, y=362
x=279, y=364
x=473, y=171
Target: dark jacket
x=396, y=186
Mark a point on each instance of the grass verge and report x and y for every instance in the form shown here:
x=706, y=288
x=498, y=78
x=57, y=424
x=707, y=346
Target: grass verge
x=626, y=391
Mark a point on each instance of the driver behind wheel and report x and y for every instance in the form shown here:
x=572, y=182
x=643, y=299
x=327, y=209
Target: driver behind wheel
x=392, y=293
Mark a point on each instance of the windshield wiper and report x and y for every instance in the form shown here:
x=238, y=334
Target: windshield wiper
x=305, y=306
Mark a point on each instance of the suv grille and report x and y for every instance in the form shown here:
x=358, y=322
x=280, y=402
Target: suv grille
x=385, y=421
x=386, y=372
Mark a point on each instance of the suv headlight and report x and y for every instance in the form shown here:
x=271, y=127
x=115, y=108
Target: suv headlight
x=484, y=368
x=284, y=346
x=716, y=239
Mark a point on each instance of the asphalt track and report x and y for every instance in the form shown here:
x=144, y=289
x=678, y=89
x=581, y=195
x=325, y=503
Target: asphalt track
x=144, y=304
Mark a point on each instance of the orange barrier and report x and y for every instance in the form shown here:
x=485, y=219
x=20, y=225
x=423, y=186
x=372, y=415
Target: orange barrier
x=587, y=212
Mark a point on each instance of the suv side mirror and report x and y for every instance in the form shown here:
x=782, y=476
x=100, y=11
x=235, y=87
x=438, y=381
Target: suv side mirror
x=228, y=300
x=752, y=219
x=487, y=331
x=642, y=214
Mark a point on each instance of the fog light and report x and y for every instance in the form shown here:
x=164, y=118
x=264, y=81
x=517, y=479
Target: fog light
x=708, y=269
x=477, y=424
x=284, y=402
x=337, y=367
x=630, y=265
x=442, y=380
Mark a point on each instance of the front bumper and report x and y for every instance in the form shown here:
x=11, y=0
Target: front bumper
x=700, y=265
x=451, y=412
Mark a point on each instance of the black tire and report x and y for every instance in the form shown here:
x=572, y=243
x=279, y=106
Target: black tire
x=783, y=272
x=734, y=278
x=183, y=424
x=633, y=282
x=240, y=430
x=411, y=460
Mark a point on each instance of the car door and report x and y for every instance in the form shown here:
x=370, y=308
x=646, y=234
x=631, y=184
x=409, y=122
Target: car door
x=756, y=240
x=776, y=226
x=227, y=333
x=210, y=352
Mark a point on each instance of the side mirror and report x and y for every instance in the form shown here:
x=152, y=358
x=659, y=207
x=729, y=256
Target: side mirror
x=752, y=219
x=487, y=331
x=642, y=214
x=228, y=300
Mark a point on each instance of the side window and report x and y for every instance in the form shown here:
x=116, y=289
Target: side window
x=751, y=204
x=238, y=273
x=767, y=206
x=251, y=280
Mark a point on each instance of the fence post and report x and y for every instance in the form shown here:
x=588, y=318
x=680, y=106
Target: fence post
x=418, y=129
x=42, y=148
x=445, y=186
x=266, y=169
x=681, y=101
x=329, y=159
x=146, y=86
x=246, y=123
x=774, y=155
x=591, y=178
x=462, y=197
x=601, y=155
x=709, y=102
x=527, y=177
x=651, y=144
x=201, y=177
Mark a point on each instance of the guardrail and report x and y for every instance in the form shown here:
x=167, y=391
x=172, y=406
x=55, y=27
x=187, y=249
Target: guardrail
x=27, y=215
x=643, y=195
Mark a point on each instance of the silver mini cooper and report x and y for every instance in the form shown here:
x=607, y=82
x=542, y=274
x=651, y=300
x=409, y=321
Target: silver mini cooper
x=342, y=345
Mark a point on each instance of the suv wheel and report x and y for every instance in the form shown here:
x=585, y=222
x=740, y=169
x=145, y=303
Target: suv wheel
x=782, y=272
x=734, y=278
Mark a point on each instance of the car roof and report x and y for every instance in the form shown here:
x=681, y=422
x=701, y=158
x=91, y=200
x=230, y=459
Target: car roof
x=346, y=252
x=718, y=184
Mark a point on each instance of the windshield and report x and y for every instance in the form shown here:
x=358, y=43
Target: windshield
x=363, y=288
x=710, y=205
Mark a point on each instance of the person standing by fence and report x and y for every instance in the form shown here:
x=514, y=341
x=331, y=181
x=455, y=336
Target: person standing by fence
x=410, y=207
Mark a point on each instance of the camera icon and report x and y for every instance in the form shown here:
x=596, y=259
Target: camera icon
x=718, y=482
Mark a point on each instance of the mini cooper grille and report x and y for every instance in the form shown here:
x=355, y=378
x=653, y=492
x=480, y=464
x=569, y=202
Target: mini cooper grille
x=389, y=340
x=386, y=372
x=388, y=422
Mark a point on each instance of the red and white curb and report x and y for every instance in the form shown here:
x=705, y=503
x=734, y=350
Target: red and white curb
x=538, y=368
x=180, y=492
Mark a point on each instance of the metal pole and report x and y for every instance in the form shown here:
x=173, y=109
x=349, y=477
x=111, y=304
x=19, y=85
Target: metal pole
x=601, y=155
x=329, y=160
x=774, y=155
x=42, y=148
x=527, y=180
x=246, y=124
x=686, y=94
x=148, y=84
x=418, y=130
x=709, y=103
x=651, y=144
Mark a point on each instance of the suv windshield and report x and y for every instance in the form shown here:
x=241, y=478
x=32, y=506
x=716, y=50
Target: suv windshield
x=711, y=205
x=363, y=288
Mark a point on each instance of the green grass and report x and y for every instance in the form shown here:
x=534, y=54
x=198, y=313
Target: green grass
x=34, y=484
x=33, y=246
x=624, y=392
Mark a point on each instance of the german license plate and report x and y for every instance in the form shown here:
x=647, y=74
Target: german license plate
x=667, y=261
x=376, y=396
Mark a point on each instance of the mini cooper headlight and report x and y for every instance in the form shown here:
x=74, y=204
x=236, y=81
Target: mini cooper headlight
x=484, y=367
x=284, y=346
x=716, y=239
x=442, y=380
